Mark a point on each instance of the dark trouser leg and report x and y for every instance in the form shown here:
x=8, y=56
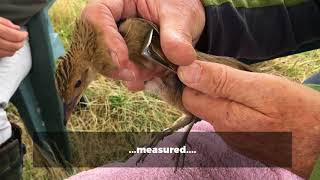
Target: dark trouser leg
x=11, y=156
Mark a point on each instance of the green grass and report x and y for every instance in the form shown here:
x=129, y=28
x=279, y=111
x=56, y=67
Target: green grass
x=113, y=108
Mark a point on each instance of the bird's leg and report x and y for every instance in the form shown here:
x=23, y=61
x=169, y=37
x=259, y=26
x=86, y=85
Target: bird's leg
x=180, y=123
x=183, y=142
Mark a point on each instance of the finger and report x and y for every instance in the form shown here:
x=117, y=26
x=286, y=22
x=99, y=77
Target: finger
x=175, y=36
x=5, y=53
x=135, y=85
x=10, y=46
x=8, y=23
x=12, y=35
x=123, y=74
x=143, y=73
x=116, y=47
x=179, y=29
x=226, y=115
x=218, y=80
x=103, y=16
x=199, y=104
x=137, y=73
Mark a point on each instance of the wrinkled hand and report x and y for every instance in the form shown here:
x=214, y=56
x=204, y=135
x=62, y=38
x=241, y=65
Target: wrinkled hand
x=11, y=38
x=181, y=23
x=239, y=101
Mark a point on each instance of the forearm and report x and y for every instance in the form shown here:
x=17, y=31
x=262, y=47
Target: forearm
x=259, y=31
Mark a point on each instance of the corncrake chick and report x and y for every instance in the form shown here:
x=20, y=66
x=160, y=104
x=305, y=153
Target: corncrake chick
x=88, y=57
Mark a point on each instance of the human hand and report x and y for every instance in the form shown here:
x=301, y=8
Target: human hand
x=11, y=38
x=239, y=101
x=181, y=24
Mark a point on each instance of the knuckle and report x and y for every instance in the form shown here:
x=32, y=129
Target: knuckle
x=17, y=37
x=190, y=9
x=89, y=13
x=187, y=103
x=194, y=13
x=4, y=30
x=177, y=34
x=219, y=81
x=93, y=11
x=180, y=40
x=10, y=46
x=91, y=7
x=17, y=46
x=4, y=20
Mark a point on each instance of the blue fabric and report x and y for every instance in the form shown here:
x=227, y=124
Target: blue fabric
x=56, y=44
x=314, y=79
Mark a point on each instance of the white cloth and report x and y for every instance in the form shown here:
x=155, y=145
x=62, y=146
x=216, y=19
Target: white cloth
x=12, y=72
x=5, y=127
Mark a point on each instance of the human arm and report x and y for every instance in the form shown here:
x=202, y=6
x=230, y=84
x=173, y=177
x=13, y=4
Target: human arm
x=254, y=31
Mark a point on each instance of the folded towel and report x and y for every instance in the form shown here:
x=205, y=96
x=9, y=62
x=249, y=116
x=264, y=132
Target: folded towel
x=219, y=152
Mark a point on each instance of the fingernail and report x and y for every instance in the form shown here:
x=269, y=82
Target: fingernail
x=115, y=59
x=191, y=73
x=25, y=33
x=127, y=75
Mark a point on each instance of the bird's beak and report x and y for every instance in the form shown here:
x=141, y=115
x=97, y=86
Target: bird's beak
x=68, y=108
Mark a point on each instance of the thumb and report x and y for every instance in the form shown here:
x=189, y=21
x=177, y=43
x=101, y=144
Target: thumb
x=178, y=33
x=217, y=80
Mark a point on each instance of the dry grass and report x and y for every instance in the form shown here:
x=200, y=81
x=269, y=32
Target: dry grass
x=113, y=108
x=295, y=67
x=63, y=13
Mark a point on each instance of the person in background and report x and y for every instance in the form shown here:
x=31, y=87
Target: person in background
x=251, y=31
x=15, y=64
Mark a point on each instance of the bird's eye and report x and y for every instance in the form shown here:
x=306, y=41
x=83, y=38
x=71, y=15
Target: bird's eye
x=78, y=84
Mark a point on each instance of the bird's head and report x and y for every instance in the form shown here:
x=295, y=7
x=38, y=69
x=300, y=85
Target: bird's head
x=87, y=56
x=72, y=79
x=75, y=70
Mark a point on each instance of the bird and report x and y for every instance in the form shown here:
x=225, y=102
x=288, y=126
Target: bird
x=88, y=56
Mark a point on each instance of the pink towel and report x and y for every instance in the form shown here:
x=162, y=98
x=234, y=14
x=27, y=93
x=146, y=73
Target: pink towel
x=203, y=145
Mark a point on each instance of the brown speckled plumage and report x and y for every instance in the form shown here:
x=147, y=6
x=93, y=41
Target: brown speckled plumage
x=85, y=58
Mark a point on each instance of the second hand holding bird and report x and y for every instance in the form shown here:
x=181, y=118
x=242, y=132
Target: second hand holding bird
x=143, y=41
